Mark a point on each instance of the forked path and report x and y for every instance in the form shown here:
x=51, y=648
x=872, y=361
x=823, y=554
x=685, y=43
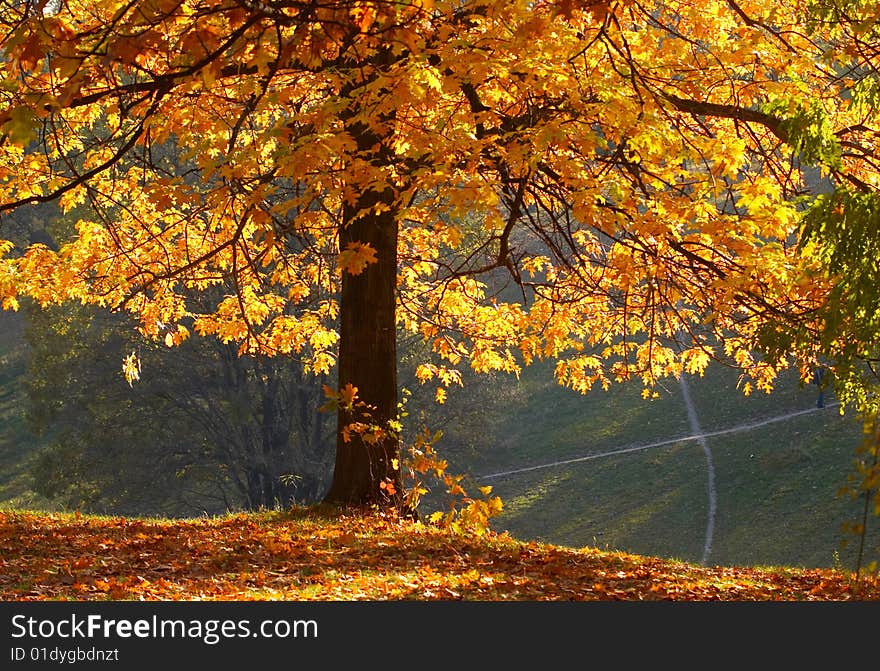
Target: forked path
x=697, y=434
x=700, y=437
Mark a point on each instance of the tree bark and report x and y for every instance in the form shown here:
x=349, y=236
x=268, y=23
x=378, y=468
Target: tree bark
x=366, y=470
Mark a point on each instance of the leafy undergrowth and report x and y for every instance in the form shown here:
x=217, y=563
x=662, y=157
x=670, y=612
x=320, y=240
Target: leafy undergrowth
x=319, y=554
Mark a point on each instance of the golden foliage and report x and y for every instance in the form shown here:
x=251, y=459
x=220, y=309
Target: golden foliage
x=612, y=159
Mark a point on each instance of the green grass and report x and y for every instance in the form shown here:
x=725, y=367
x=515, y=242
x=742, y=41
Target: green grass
x=777, y=485
x=720, y=404
x=12, y=421
x=778, y=495
x=647, y=503
x=542, y=421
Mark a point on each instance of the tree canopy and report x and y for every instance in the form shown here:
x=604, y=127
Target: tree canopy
x=610, y=184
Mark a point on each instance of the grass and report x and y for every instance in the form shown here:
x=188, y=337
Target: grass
x=778, y=496
x=542, y=421
x=642, y=503
x=776, y=485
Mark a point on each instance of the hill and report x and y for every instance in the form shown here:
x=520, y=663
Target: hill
x=613, y=470
x=320, y=554
x=610, y=469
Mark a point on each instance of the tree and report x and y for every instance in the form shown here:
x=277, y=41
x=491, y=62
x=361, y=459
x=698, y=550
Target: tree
x=630, y=167
x=206, y=430
x=840, y=230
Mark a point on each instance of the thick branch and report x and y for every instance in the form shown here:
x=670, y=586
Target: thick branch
x=745, y=114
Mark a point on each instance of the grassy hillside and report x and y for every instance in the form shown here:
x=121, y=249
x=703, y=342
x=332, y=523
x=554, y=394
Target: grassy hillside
x=322, y=555
x=776, y=485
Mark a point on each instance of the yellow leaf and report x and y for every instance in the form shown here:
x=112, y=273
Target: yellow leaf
x=131, y=368
x=347, y=395
x=355, y=257
x=21, y=127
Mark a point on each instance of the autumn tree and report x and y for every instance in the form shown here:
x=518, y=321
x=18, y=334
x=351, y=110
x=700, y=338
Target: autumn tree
x=608, y=184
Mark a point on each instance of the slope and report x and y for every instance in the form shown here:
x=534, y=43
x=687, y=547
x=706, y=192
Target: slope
x=614, y=470
x=318, y=554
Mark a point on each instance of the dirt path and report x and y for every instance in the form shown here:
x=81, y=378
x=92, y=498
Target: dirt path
x=660, y=443
x=700, y=437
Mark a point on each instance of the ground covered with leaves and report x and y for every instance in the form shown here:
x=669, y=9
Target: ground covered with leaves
x=322, y=555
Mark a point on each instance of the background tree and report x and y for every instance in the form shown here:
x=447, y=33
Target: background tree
x=206, y=430
x=631, y=167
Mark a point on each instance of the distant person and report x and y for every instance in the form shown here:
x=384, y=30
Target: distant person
x=817, y=380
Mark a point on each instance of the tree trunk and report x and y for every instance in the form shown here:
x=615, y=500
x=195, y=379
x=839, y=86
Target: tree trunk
x=366, y=469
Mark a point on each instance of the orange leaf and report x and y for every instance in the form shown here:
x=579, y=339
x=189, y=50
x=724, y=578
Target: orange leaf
x=355, y=257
